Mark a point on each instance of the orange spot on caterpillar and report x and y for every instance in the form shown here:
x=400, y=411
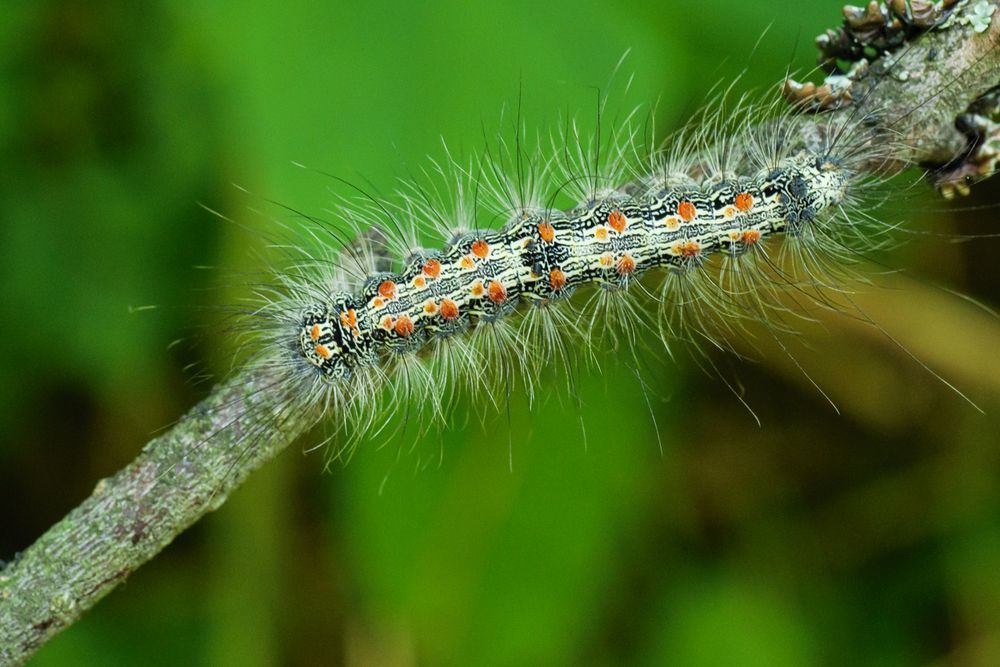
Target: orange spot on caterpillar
x=751, y=236
x=467, y=262
x=734, y=235
x=729, y=211
x=387, y=289
x=477, y=289
x=480, y=248
x=617, y=221
x=378, y=302
x=626, y=265
x=419, y=281
x=432, y=268
x=687, y=248
x=607, y=259
x=386, y=322
x=314, y=334
x=601, y=233
x=323, y=351
x=430, y=307
x=557, y=279
x=404, y=326
x=497, y=292
x=744, y=202
x=687, y=211
x=672, y=223
x=449, y=309
x=547, y=232
x=348, y=319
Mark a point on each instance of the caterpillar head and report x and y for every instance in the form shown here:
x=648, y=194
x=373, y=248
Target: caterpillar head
x=331, y=340
x=806, y=187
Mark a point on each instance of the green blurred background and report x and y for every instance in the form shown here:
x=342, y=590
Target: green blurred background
x=869, y=537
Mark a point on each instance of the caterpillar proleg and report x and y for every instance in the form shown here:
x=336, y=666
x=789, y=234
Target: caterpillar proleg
x=552, y=298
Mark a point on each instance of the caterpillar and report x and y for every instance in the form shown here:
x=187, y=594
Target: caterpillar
x=348, y=339
x=368, y=318
x=543, y=255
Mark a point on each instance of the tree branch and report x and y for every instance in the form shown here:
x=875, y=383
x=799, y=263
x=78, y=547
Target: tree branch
x=132, y=515
x=933, y=81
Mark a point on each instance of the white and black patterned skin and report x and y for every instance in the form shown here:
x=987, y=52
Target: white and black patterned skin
x=487, y=275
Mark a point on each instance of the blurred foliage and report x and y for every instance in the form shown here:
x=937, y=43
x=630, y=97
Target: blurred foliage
x=870, y=536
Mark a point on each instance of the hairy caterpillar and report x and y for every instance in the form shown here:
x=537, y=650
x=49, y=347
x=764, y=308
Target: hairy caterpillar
x=300, y=395
x=335, y=339
x=367, y=318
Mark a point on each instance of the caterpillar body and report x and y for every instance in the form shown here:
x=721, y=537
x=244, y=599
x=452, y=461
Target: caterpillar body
x=344, y=342
x=481, y=277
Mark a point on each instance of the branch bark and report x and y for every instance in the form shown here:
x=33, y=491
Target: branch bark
x=132, y=515
x=191, y=470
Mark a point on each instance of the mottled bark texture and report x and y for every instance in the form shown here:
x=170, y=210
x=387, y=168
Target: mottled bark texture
x=135, y=513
